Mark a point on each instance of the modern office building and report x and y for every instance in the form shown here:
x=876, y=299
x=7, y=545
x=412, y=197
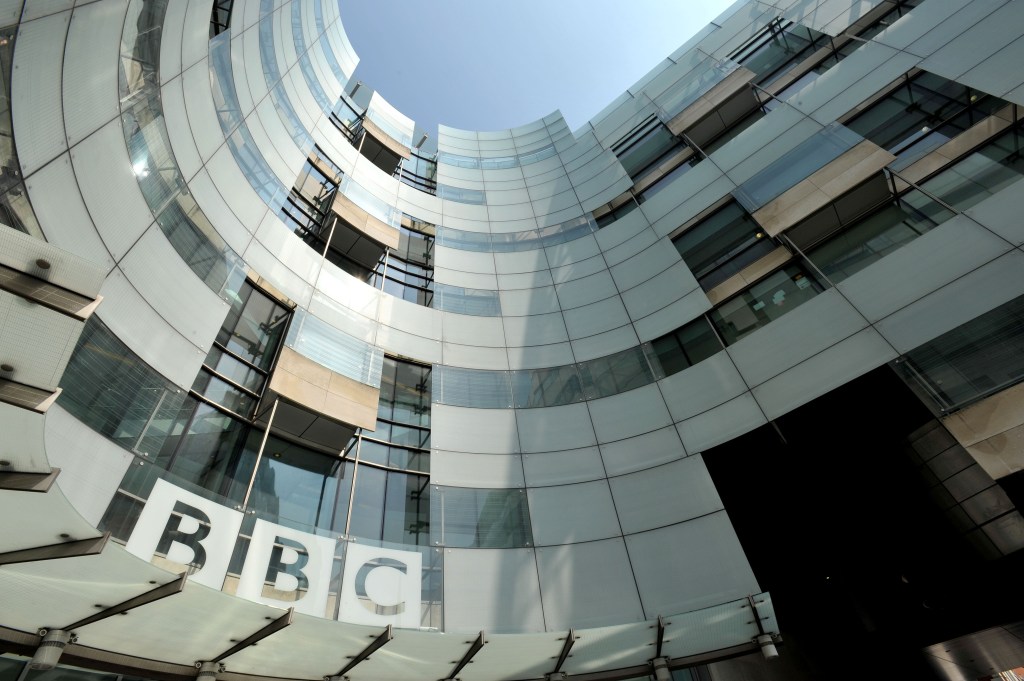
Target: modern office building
x=726, y=384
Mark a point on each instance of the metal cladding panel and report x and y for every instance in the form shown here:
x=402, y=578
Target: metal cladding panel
x=37, y=109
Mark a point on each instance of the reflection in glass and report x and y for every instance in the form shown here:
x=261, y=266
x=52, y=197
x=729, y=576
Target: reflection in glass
x=764, y=302
x=480, y=518
x=722, y=245
x=878, y=234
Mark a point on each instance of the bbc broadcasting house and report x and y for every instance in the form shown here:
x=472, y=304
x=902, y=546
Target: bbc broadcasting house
x=725, y=385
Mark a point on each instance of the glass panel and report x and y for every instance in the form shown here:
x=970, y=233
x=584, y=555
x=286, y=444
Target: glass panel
x=644, y=147
x=972, y=361
x=470, y=301
x=614, y=374
x=224, y=394
x=921, y=114
x=472, y=387
x=981, y=174
x=335, y=349
x=301, y=488
x=546, y=387
x=795, y=165
x=480, y=518
x=722, y=245
x=875, y=236
x=763, y=303
x=684, y=347
x=407, y=509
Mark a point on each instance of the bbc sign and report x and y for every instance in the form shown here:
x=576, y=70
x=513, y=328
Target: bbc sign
x=378, y=586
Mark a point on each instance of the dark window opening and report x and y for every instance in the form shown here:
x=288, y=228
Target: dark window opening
x=645, y=146
x=220, y=17
x=722, y=244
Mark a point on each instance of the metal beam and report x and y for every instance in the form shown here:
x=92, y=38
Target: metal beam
x=474, y=648
x=272, y=628
x=365, y=653
x=70, y=549
x=661, y=636
x=28, y=482
x=570, y=639
x=162, y=591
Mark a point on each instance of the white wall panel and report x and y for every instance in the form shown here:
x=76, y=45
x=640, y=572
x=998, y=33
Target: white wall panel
x=491, y=589
x=202, y=116
x=91, y=466
x=623, y=230
x=706, y=384
x=474, y=357
x=633, y=245
x=530, y=301
x=159, y=274
x=644, y=265
x=523, y=280
x=578, y=270
x=603, y=344
x=36, y=341
x=66, y=223
x=690, y=566
x=171, y=36
x=587, y=585
x=524, y=261
x=596, y=318
x=42, y=8
x=37, y=111
x=179, y=131
x=628, y=414
x=950, y=250
x=486, y=282
x=482, y=471
x=672, y=316
x=110, y=188
x=721, y=423
x=688, y=185
x=146, y=333
x=958, y=302
x=485, y=431
x=550, y=429
x=580, y=292
x=468, y=329
x=829, y=369
x=217, y=211
x=10, y=11
x=539, y=356
x=195, y=39
x=265, y=264
x=90, y=73
x=572, y=251
x=401, y=314
x=235, y=188
x=564, y=467
x=281, y=168
x=819, y=323
x=693, y=205
x=535, y=330
x=664, y=495
x=572, y=513
x=291, y=155
x=1001, y=213
x=643, y=451
x=464, y=261
x=398, y=342
x=659, y=291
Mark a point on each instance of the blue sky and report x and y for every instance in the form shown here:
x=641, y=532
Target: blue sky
x=495, y=64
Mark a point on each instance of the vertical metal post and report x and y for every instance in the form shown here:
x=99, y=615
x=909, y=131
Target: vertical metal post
x=352, y=492
x=259, y=456
x=149, y=421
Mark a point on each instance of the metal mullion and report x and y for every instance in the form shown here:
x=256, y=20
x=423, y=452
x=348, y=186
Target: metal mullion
x=228, y=351
x=230, y=382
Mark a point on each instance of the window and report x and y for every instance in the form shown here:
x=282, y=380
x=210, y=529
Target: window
x=764, y=302
x=220, y=17
x=780, y=46
x=645, y=145
x=722, y=245
x=876, y=235
x=616, y=214
x=988, y=170
x=419, y=172
x=921, y=113
x=972, y=361
x=686, y=346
